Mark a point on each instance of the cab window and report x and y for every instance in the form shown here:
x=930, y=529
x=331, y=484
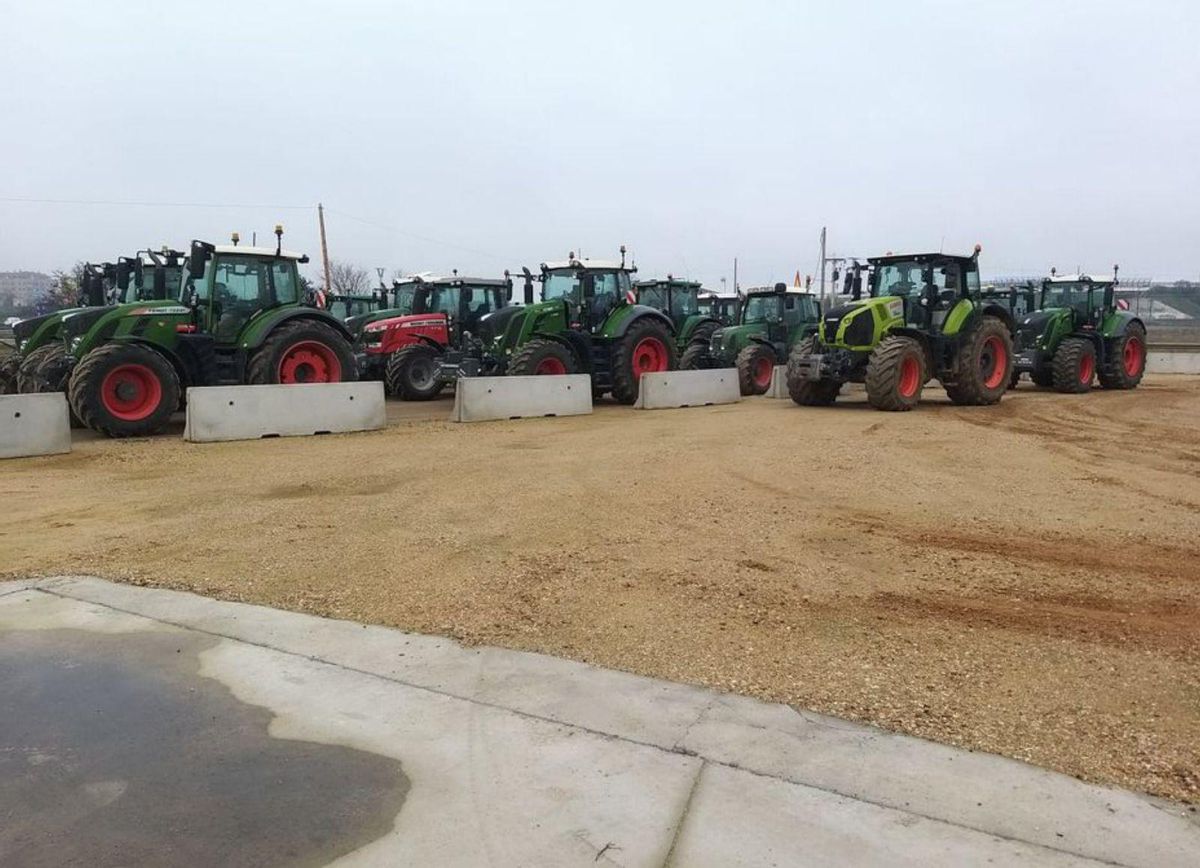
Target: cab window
x=286, y=289
x=242, y=280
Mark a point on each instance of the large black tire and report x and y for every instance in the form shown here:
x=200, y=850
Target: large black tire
x=303, y=351
x=646, y=348
x=1074, y=365
x=8, y=374
x=412, y=373
x=124, y=390
x=806, y=392
x=693, y=357
x=542, y=356
x=755, y=363
x=896, y=374
x=984, y=364
x=44, y=370
x=1125, y=364
x=1043, y=378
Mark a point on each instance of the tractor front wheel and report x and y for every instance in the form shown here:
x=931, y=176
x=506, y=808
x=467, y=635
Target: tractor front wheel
x=755, y=364
x=1126, y=360
x=412, y=373
x=896, y=374
x=124, y=390
x=984, y=364
x=542, y=356
x=8, y=374
x=804, y=391
x=647, y=348
x=44, y=370
x=302, y=351
x=1074, y=365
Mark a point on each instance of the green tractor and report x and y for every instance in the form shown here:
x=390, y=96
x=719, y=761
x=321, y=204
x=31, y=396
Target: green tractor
x=356, y=306
x=771, y=322
x=924, y=318
x=723, y=308
x=680, y=301
x=588, y=321
x=39, y=338
x=1079, y=334
x=241, y=317
x=151, y=275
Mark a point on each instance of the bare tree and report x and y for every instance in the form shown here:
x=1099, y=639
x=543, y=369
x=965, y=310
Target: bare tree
x=64, y=290
x=348, y=279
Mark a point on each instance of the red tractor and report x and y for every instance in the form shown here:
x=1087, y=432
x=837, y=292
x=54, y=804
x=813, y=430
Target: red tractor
x=447, y=313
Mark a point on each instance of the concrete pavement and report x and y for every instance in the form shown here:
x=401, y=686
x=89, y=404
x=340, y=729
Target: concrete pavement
x=145, y=726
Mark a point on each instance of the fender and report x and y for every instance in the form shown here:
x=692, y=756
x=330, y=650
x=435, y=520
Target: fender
x=638, y=312
x=181, y=358
x=999, y=313
x=576, y=343
x=272, y=319
x=922, y=338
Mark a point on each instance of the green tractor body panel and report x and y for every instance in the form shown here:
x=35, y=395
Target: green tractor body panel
x=958, y=317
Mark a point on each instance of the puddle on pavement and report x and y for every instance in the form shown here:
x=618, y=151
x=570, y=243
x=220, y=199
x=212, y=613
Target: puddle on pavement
x=115, y=751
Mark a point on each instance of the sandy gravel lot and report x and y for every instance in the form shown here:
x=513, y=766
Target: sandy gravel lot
x=1023, y=579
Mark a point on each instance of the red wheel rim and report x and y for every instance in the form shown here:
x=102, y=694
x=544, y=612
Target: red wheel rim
x=1133, y=356
x=310, y=362
x=131, y=392
x=762, y=371
x=550, y=365
x=993, y=362
x=1087, y=366
x=649, y=356
x=910, y=377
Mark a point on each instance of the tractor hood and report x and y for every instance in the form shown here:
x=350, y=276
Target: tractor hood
x=859, y=330
x=492, y=325
x=374, y=322
x=23, y=330
x=354, y=324
x=1033, y=325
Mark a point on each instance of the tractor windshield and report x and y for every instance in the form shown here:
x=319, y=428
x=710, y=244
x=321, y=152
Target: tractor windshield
x=655, y=297
x=686, y=303
x=762, y=308
x=563, y=284
x=1073, y=294
x=442, y=299
x=345, y=307
x=900, y=278
x=402, y=298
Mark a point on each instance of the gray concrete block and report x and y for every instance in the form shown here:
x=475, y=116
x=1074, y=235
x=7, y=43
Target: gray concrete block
x=483, y=399
x=670, y=389
x=34, y=425
x=778, y=387
x=1161, y=362
x=216, y=413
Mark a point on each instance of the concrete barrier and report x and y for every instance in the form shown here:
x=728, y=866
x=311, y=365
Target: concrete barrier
x=216, y=413
x=1172, y=362
x=482, y=399
x=688, y=389
x=34, y=425
x=778, y=387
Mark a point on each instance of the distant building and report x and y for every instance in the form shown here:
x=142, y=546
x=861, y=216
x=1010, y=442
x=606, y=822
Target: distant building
x=23, y=287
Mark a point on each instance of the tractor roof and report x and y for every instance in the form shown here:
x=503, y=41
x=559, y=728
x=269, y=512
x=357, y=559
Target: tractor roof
x=596, y=264
x=917, y=257
x=1077, y=278
x=256, y=251
x=773, y=290
x=468, y=281
x=667, y=281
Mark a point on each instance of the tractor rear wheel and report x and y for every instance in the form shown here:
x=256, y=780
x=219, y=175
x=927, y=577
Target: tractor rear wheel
x=124, y=390
x=984, y=364
x=806, y=392
x=1074, y=365
x=412, y=373
x=44, y=370
x=302, y=351
x=896, y=374
x=1043, y=378
x=8, y=374
x=1126, y=361
x=755, y=365
x=542, y=356
x=647, y=348
x=693, y=356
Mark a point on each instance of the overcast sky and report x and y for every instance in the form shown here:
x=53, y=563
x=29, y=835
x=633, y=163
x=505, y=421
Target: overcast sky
x=484, y=135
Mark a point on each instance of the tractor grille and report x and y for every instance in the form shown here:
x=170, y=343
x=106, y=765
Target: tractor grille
x=860, y=331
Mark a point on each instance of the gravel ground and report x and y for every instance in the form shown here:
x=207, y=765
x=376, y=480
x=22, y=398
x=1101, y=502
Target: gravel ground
x=1022, y=579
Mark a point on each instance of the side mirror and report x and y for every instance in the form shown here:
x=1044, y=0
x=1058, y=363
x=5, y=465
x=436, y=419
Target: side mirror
x=468, y=294
x=201, y=252
x=857, y=287
x=528, y=291
x=781, y=288
x=124, y=269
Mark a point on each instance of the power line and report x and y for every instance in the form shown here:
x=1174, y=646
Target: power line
x=141, y=204
x=425, y=238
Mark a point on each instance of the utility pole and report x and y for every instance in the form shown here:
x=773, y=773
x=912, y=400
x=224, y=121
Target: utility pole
x=736, y=291
x=822, y=265
x=324, y=246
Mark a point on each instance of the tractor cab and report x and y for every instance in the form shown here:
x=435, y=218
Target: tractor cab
x=724, y=309
x=1086, y=298
x=346, y=307
x=779, y=309
x=929, y=286
x=463, y=301
x=228, y=286
x=1018, y=300
x=592, y=289
x=151, y=275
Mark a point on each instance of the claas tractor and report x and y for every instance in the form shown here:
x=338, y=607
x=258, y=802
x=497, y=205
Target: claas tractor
x=240, y=317
x=771, y=322
x=588, y=321
x=1078, y=334
x=448, y=313
x=680, y=301
x=924, y=318
x=150, y=275
x=722, y=308
x=39, y=339
x=369, y=330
